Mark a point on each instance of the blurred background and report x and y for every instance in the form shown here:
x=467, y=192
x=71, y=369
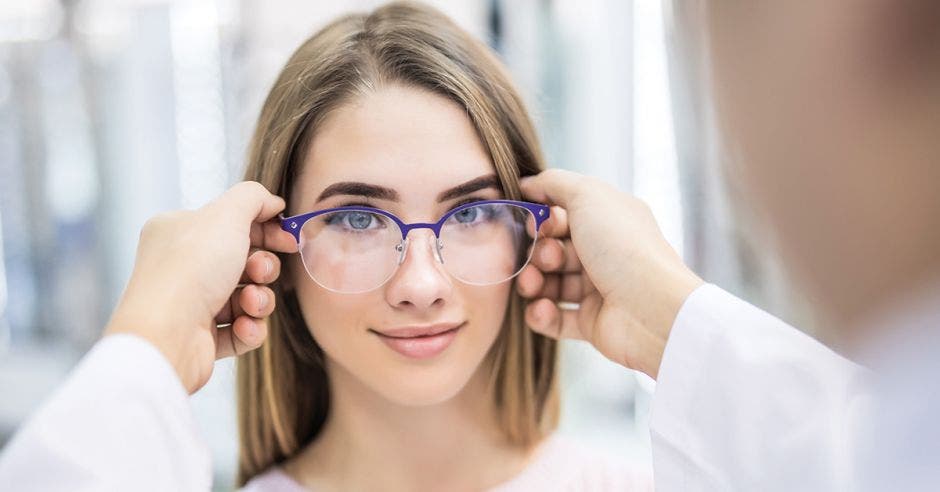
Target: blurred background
x=114, y=110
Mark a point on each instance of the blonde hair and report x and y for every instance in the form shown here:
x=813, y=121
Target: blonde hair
x=283, y=393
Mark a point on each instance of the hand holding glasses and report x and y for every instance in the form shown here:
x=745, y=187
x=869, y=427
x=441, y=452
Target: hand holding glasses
x=357, y=249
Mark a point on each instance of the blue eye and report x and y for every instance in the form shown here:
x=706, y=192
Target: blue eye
x=358, y=221
x=477, y=214
x=467, y=215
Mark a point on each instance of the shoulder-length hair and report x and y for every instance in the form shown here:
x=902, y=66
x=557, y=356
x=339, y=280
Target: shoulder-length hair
x=283, y=392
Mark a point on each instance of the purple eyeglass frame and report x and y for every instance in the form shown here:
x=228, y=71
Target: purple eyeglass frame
x=295, y=223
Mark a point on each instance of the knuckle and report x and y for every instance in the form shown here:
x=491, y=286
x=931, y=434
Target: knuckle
x=252, y=187
x=160, y=222
x=552, y=173
x=641, y=205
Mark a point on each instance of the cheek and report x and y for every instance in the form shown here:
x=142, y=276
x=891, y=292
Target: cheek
x=486, y=308
x=495, y=300
x=333, y=319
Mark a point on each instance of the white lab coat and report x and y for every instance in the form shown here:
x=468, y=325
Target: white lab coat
x=743, y=402
x=121, y=421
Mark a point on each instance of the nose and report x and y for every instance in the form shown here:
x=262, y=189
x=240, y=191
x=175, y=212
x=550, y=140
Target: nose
x=420, y=282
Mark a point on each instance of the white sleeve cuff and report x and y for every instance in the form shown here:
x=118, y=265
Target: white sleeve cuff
x=121, y=420
x=743, y=399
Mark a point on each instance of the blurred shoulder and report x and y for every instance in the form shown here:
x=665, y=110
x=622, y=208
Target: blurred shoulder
x=561, y=463
x=273, y=480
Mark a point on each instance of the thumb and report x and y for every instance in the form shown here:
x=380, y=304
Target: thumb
x=552, y=186
x=249, y=201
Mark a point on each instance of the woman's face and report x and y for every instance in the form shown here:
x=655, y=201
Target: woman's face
x=416, y=146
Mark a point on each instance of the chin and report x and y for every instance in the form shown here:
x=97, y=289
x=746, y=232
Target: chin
x=423, y=386
x=380, y=371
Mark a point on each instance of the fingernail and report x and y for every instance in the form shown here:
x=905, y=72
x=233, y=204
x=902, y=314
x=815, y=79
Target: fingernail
x=262, y=300
x=268, y=267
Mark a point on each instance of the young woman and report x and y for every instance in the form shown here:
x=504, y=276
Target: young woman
x=397, y=358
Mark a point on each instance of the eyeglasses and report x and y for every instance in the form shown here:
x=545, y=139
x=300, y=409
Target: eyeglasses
x=355, y=249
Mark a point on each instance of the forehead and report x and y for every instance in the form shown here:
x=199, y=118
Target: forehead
x=404, y=138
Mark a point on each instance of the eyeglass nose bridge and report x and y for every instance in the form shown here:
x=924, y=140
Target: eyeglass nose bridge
x=402, y=247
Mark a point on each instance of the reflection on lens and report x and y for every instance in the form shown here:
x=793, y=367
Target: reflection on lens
x=350, y=251
x=487, y=243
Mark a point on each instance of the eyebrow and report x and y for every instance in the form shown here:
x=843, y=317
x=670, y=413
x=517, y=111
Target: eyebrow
x=358, y=189
x=477, y=184
x=381, y=193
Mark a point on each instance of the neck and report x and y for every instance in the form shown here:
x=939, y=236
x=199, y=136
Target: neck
x=901, y=322
x=863, y=309
x=371, y=443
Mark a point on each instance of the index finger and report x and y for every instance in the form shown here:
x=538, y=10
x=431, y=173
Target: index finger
x=552, y=186
x=251, y=201
x=271, y=237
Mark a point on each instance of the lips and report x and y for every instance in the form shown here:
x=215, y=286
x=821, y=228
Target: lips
x=420, y=342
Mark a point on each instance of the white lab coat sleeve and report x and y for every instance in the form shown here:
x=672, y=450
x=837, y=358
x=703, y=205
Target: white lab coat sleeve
x=121, y=421
x=744, y=401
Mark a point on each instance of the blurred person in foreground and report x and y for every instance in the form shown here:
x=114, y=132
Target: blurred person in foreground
x=831, y=117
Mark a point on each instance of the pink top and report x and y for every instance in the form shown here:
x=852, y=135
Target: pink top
x=560, y=464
